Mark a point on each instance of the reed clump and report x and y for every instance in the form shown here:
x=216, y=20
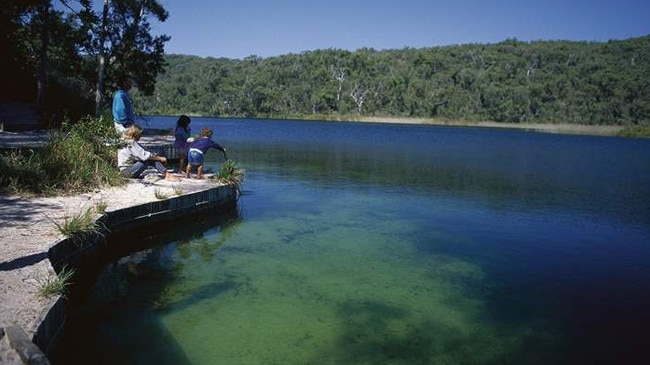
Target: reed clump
x=230, y=173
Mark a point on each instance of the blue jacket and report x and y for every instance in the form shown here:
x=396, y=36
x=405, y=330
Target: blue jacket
x=204, y=144
x=123, y=107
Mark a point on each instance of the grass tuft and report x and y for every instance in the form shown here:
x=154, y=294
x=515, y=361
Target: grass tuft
x=54, y=285
x=160, y=195
x=80, y=225
x=230, y=173
x=100, y=207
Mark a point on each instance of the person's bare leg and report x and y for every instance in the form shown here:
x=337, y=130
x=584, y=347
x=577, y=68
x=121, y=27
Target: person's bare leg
x=199, y=172
x=181, y=163
x=188, y=169
x=170, y=177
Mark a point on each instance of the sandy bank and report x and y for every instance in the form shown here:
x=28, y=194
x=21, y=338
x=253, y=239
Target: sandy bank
x=564, y=128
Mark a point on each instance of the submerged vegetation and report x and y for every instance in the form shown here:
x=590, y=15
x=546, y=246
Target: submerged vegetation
x=76, y=158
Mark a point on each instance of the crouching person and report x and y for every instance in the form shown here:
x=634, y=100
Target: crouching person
x=133, y=159
x=197, y=149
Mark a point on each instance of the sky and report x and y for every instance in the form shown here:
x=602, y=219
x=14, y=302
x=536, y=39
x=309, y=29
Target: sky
x=266, y=28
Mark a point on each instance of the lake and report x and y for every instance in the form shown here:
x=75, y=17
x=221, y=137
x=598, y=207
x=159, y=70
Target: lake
x=388, y=244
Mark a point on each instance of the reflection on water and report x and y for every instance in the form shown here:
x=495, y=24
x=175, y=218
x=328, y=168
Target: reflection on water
x=392, y=244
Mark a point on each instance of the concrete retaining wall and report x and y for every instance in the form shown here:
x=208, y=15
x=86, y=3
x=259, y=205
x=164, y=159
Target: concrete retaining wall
x=72, y=251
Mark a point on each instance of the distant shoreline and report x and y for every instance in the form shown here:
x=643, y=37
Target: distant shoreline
x=559, y=128
x=556, y=128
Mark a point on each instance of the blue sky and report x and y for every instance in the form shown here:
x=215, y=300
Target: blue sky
x=240, y=28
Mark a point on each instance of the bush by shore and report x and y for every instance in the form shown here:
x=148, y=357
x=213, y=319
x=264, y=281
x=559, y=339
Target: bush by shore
x=76, y=158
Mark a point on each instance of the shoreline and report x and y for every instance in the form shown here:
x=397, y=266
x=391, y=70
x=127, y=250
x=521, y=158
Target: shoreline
x=554, y=128
x=557, y=128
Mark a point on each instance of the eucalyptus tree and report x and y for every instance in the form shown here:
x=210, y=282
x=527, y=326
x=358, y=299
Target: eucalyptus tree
x=125, y=45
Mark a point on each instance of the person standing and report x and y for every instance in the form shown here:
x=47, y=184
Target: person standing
x=181, y=134
x=123, y=114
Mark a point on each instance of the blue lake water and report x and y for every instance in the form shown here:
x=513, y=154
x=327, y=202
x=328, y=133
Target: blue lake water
x=390, y=244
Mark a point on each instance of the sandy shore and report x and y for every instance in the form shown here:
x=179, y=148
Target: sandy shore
x=560, y=128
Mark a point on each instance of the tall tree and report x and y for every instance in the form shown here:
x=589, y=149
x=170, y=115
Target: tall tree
x=101, y=60
x=126, y=45
x=41, y=85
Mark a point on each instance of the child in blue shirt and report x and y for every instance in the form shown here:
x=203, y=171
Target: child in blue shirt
x=196, y=151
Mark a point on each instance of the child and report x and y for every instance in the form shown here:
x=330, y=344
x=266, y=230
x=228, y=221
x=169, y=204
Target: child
x=199, y=147
x=181, y=134
x=132, y=159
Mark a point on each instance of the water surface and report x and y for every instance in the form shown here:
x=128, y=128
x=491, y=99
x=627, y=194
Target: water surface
x=391, y=244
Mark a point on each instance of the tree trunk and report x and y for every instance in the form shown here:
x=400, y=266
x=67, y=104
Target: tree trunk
x=41, y=83
x=358, y=94
x=101, y=69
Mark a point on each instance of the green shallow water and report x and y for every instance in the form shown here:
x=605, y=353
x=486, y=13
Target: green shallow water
x=339, y=281
x=308, y=293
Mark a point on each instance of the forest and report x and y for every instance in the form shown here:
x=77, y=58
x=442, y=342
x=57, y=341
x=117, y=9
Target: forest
x=511, y=81
x=64, y=56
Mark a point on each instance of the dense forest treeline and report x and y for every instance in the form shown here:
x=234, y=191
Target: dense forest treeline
x=511, y=81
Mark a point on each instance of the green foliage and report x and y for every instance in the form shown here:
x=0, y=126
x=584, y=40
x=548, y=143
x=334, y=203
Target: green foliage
x=76, y=158
x=57, y=50
x=134, y=50
x=100, y=207
x=230, y=173
x=511, y=81
x=56, y=285
x=635, y=131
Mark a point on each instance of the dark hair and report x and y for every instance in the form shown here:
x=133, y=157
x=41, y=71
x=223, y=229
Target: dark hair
x=183, y=121
x=121, y=80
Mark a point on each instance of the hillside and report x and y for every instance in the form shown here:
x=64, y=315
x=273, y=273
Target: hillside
x=604, y=83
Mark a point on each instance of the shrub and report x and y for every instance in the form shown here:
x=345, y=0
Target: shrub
x=635, y=131
x=76, y=158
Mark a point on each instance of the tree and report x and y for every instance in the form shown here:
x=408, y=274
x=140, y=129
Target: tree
x=64, y=45
x=126, y=46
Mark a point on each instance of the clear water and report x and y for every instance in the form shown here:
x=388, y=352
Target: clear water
x=390, y=244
